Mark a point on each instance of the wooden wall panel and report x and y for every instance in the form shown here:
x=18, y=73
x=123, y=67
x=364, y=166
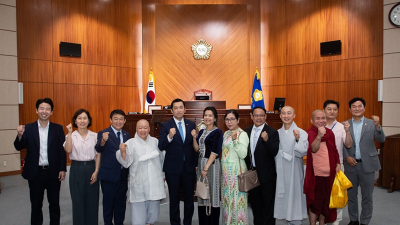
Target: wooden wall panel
x=274, y=38
x=128, y=99
x=227, y=66
x=365, y=28
x=101, y=75
x=102, y=38
x=129, y=77
x=34, y=27
x=302, y=28
x=35, y=71
x=67, y=99
x=273, y=92
x=69, y=25
x=70, y=73
x=101, y=101
x=129, y=33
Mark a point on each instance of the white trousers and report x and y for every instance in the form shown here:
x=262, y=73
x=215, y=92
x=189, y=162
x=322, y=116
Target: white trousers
x=146, y=212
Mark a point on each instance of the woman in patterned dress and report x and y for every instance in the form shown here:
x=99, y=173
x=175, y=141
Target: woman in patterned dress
x=234, y=150
x=208, y=143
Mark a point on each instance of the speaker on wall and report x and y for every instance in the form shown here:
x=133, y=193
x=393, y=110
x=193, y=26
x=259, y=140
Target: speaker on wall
x=331, y=48
x=70, y=49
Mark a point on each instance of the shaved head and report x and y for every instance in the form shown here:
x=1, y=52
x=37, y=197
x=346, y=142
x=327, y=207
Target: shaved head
x=143, y=128
x=288, y=108
x=318, y=118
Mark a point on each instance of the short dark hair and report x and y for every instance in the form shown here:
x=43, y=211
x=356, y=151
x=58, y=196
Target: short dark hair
x=327, y=102
x=79, y=112
x=214, y=111
x=117, y=112
x=44, y=100
x=177, y=100
x=233, y=111
x=258, y=107
x=356, y=99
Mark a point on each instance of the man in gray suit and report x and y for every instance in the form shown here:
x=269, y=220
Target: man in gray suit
x=362, y=160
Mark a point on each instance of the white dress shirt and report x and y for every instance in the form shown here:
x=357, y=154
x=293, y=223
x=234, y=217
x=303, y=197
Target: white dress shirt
x=43, y=137
x=255, y=134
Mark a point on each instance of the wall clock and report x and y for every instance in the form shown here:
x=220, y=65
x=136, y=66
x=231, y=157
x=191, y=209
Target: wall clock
x=394, y=15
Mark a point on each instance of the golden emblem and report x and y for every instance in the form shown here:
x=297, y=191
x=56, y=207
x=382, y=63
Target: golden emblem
x=201, y=49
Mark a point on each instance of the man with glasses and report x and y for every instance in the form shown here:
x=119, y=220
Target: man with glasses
x=264, y=145
x=362, y=160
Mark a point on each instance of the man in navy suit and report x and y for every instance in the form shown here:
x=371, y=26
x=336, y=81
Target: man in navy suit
x=112, y=175
x=180, y=161
x=45, y=161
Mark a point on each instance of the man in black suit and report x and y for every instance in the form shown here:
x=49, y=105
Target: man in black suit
x=263, y=147
x=113, y=177
x=180, y=161
x=45, y=161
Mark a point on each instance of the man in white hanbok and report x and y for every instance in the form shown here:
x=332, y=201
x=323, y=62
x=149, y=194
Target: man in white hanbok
x=146, y=179
x=290, y=201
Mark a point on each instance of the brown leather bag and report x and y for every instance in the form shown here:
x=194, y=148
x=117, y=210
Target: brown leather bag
x=247, y=180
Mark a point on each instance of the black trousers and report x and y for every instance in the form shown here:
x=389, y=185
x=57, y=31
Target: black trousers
x=114, y=199
x=212, y=219
x=262, y=200
x=175, y=182
x=84, y=196
x=37, y=186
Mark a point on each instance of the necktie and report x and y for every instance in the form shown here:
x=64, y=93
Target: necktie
x=118, y=137
x=181, y=131
x=255, y=139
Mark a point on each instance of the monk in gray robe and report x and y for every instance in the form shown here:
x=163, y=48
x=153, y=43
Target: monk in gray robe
x=290, y=202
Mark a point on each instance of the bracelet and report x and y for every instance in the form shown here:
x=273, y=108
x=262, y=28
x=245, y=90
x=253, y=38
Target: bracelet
x=205, y=171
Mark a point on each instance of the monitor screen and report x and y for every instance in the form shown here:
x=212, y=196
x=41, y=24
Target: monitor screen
x=70, y=49
x=279, y=103
x=331, y=48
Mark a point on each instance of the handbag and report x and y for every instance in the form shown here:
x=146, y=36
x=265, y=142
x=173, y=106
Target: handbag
x=338, y=198
x=203, y=192
x=249, y=179
x=202, y=188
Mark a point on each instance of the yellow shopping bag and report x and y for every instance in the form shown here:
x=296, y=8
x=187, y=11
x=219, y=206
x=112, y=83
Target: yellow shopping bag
x=339, y=197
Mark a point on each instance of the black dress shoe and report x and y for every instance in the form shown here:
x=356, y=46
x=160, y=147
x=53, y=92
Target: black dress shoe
x=353, y=223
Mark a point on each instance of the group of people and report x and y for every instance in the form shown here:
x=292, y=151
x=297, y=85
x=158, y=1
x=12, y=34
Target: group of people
x=135, y=169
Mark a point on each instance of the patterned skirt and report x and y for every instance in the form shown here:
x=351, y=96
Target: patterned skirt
x=214, y=177
x=234, y=202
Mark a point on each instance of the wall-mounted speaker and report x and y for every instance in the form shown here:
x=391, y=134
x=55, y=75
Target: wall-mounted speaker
x=331, y=48
x=70, y=49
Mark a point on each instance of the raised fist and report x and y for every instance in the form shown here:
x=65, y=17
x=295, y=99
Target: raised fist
x=105, y=136
x=20, y=130
x=234, y=135
x=69, y=128
x=122, y=147
x=296, y=134
x=194, y=133
x=264, y=136
x=346, y=126
x=321, y=132
x=172, y=133
x=375, y=119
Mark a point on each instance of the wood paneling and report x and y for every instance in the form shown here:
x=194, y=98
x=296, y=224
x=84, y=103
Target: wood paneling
x=71, y=73
x=224, y=27
x=100, y=26
x=365, y=28
x=68, y=98
x=34, y=25
x=101, y=101
x=128, y=99
x=35, y=71
x=101, y=75
x=129, y=77
x=69, y=25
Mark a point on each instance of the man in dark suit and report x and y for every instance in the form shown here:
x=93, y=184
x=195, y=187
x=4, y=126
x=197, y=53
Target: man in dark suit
x=180, y=161
x=45, y=161
x=112, y=175
x=362, y=160
x=263, y=147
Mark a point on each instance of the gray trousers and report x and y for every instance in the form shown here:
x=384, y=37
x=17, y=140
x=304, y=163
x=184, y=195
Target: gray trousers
x=366, y=182
x=85, y=197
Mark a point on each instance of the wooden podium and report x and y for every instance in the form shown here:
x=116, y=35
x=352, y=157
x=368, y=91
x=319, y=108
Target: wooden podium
x=194, y=112
x=390, y=155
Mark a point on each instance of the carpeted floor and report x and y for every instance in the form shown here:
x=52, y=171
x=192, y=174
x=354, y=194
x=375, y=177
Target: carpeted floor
x=15, y=206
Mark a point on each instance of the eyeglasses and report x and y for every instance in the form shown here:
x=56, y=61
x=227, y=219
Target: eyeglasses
x=230, y=119
x=258, y=115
